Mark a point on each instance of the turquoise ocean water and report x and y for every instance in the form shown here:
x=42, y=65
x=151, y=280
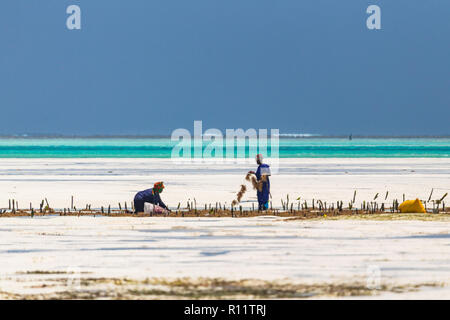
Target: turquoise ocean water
x=162, y=147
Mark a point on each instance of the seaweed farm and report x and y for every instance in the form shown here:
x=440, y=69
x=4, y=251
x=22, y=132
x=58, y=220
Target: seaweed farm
x=299, y=209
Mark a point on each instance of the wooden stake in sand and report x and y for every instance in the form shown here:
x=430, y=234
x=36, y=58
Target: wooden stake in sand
x=431, y=193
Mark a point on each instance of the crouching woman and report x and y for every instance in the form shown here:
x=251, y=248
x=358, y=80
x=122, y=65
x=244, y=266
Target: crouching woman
x=151, y=196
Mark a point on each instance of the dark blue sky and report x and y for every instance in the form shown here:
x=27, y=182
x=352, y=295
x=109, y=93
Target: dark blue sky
x=150, y=66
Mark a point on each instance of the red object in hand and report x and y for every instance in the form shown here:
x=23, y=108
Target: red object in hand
x=252, y=172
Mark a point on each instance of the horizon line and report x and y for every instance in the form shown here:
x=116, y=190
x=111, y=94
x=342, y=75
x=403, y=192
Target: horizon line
x=161, y=136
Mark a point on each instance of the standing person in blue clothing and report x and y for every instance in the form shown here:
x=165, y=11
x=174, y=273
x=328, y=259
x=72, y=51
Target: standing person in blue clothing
x=263, y=182
x=151, y=196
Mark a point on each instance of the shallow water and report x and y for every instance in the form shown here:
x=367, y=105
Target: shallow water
x=162, y=148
